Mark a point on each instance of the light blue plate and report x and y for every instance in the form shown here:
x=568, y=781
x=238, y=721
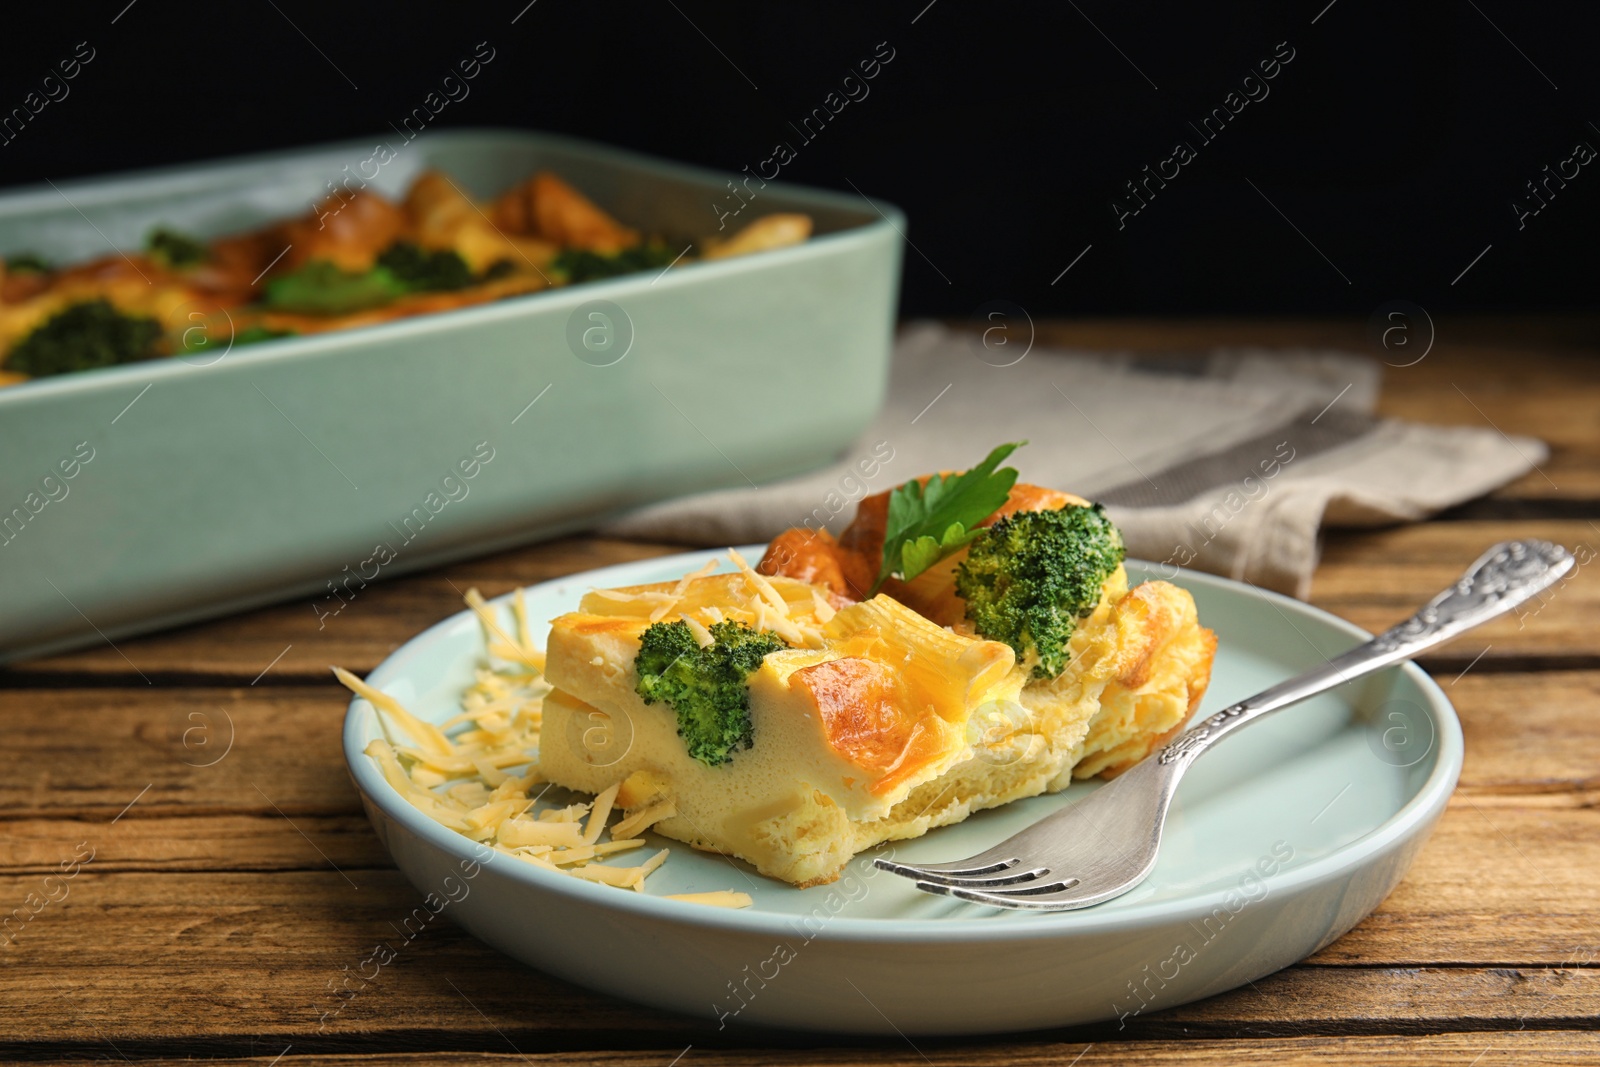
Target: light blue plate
x=1280, y=841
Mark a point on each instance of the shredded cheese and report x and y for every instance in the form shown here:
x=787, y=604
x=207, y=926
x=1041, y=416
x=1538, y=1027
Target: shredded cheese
x=645, y=596
x=702, y=636
x=621, y=877
x=721, y=898
x=533, y=832
x=425, y=734
x=649, y=865
x=820, y=606
x=570, y=813
x=601, y=812
x=665, y=608
x=519, y=650
x=688, y=579
x=645, y=818
x=759, y=583
x=473, y=775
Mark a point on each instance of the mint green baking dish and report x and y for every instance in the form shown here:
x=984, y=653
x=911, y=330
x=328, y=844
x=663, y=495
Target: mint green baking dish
x=159, y=493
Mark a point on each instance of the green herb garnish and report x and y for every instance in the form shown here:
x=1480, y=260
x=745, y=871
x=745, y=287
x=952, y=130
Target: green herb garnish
x=931, y=520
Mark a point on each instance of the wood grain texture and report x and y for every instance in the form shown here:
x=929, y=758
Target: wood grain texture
x=233, y=874
x=1496, y=885
x=269, y=954
x=255, y=750
x=1490, y=1049
x=1377, y=578
x=293, y=641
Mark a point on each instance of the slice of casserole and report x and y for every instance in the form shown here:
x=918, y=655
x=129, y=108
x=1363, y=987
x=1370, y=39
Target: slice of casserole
x=784, y=719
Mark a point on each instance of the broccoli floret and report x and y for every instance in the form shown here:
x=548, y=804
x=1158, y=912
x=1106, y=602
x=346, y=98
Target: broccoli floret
x=85, y=336
x=175, y=250
x=197, y=340
x=426, y=271
x=323, y=288
x=706, y=687
x=1030, y=577
x=27, y=263
x=253, y=334
x=576, y=265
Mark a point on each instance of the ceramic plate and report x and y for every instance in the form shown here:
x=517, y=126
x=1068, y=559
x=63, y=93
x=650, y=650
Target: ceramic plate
x=1279, y=841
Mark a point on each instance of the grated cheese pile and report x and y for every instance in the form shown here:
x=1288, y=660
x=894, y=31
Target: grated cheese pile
x=757, y=603
x=475, y=773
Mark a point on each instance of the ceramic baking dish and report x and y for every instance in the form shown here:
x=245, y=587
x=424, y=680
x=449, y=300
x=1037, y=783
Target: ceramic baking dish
x=156, y=493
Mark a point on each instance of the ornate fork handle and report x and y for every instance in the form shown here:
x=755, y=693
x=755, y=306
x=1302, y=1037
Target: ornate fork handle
x=1508, y=575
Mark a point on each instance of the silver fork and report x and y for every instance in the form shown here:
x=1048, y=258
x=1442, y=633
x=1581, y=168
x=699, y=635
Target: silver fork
x=1106, y=844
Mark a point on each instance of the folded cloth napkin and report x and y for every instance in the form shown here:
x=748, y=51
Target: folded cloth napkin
x=1228, y=462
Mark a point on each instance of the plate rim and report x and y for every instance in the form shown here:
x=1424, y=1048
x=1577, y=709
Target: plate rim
x=1416, y=815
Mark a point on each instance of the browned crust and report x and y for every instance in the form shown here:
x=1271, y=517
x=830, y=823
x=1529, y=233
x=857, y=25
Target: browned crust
x=1199, y=681
x=822, y=879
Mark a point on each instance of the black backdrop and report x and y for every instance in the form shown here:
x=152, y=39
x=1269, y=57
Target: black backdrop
x=1384, y=159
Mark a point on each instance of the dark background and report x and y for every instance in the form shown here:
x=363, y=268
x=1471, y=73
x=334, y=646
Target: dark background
x=1395, y=141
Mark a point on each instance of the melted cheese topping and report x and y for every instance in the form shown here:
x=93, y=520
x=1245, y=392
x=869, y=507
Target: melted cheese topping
x=871, y=702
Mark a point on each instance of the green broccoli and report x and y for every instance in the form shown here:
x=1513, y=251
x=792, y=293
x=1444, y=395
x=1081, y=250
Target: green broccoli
x=323, y=288
x=706, y=687
x=426, y=271
x=175, y=250
x=253, y=334
x=27, y=263
x=196, y=340
x=85, y=336
x=577, y=265
x=1030, y=577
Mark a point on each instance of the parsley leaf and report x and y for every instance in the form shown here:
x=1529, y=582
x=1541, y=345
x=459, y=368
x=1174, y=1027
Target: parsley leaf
x=931, y=520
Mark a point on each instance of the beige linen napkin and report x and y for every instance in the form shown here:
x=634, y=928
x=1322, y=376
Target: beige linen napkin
x=1229, y=462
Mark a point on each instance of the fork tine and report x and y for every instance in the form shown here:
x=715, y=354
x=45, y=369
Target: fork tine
x=1009, y=898
x=1011, y=876
x=970, y=867
x=1062, y=899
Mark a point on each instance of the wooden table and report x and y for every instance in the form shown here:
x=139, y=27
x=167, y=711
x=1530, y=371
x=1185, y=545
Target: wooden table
x=222, y=902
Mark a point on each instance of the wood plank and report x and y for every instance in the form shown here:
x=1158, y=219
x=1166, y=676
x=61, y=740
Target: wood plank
x=141, y=958
x=279, y=800
x=1528, y=733
x=1514, y=389
x=90, y=753
x=265, y=841
x=1496, y=885
x=1376, y=578
x=87, y=753
x=1490, y=1049
x=294, y=641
